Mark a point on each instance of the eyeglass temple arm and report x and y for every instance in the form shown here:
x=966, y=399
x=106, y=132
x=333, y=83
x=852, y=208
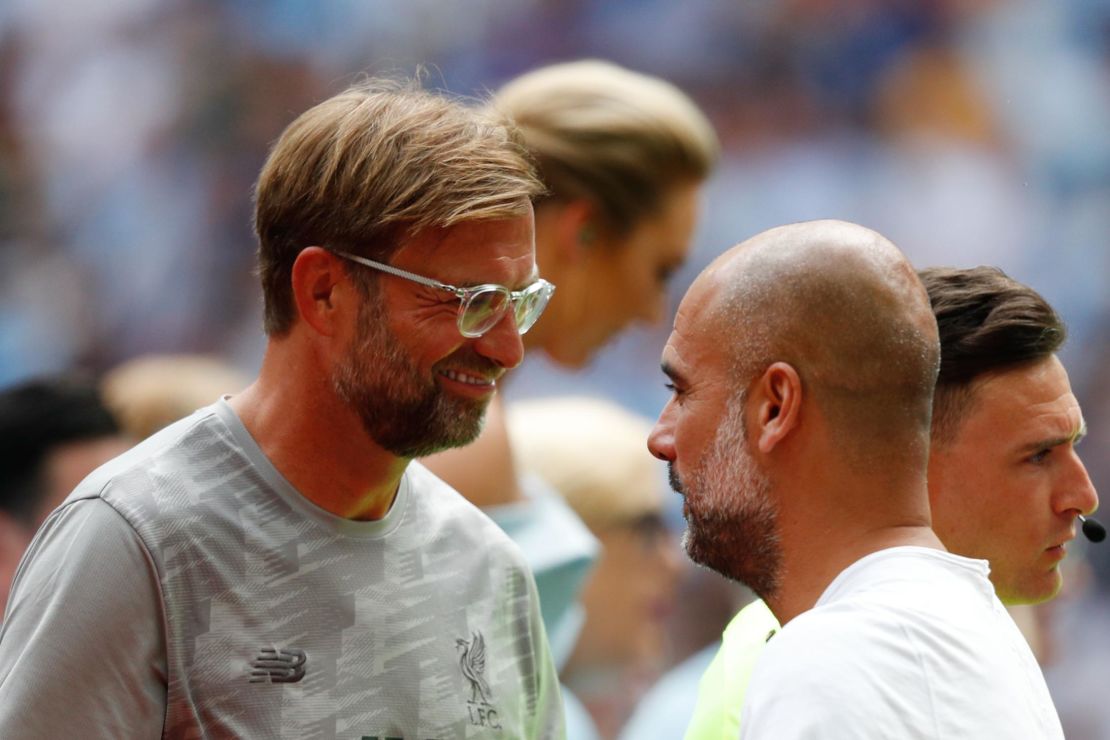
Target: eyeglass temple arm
x=402, y=273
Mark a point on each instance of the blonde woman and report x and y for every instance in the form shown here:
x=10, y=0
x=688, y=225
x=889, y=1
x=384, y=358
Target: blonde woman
x=623, y=156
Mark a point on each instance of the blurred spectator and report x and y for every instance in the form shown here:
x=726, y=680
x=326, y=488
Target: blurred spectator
x=53, y=432
x=594, y=453
x=664, y=711
x=153, y=391
x=623, y=156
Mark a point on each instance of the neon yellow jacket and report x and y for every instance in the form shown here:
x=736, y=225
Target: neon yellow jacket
x=724, y=683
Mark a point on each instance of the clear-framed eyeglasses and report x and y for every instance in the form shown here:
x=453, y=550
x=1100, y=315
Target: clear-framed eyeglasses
x=481, y=307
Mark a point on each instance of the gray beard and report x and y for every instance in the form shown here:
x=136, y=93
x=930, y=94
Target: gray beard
x=402, y=413
x=732, y=523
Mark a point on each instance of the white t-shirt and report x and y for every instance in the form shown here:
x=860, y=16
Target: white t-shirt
x=906, y=643
x=186, y=589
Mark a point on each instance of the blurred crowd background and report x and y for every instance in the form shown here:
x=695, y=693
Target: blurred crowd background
x=968, y=131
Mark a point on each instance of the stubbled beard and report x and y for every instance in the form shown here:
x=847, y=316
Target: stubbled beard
x=732, y=524
x=406, y=414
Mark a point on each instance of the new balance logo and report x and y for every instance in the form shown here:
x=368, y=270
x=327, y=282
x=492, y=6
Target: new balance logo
x=278, y=666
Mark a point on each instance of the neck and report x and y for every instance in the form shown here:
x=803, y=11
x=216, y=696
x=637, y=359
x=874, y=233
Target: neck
x=314, y=440
x=815, y=552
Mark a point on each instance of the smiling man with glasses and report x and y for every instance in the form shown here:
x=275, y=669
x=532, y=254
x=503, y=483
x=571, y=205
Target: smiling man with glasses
x=276, y=565
x=480, y=306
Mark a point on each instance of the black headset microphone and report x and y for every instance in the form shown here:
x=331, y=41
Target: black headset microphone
x=1092, y=530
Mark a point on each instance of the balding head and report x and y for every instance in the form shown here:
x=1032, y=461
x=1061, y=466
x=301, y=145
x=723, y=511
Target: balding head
x=842, y=306
x=802, y=363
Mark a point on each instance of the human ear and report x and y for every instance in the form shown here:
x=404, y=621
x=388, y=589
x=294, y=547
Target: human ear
x=577, y=230
x=315, y=279
x=778, y=394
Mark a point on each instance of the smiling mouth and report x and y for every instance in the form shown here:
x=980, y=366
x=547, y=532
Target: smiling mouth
x=474, y=380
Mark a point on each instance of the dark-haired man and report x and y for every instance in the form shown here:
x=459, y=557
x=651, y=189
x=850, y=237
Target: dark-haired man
x=53, y=432
x=801, y=445
x=275, y=565
x=1005, y=480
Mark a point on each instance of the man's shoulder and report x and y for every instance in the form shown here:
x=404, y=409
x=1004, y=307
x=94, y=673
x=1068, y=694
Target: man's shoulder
x=914, y=640
x=170, y=458
x=837, y=630
x=911, y=581
x=149, y=451
x=430, y=486
x=839, y=661
x=455, y=514
x=850, y=632
x=888, y=608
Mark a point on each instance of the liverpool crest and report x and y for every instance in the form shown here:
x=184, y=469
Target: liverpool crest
x=472, y=663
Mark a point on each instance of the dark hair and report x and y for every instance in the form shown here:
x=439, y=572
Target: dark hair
x=36, y=417
x=988, y=322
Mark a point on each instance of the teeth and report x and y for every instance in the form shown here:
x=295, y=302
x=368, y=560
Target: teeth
x=468, y=379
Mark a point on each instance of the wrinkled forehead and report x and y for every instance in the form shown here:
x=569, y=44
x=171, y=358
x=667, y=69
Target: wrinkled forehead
x=500, y=251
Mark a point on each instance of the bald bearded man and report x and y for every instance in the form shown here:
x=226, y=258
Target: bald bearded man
x=1005, y=479
x=803, y=363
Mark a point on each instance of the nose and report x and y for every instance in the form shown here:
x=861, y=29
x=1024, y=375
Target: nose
x=661, y=440
x=502, y=343
x=1077, y=493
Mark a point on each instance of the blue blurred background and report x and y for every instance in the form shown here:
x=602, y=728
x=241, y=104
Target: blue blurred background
x=968, y=131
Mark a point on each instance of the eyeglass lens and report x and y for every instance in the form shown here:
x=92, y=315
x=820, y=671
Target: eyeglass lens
x=531, y=305
x=483, y=309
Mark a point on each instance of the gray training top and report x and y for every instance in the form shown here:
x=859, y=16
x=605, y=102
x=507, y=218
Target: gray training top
x=185, y=589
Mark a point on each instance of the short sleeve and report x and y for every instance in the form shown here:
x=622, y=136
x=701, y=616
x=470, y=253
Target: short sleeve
x=82, y=647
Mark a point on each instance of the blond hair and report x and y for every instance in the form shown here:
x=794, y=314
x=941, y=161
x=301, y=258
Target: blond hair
x=615, y=137
x=375, y=162
x=152, y=391
x=591, y=451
